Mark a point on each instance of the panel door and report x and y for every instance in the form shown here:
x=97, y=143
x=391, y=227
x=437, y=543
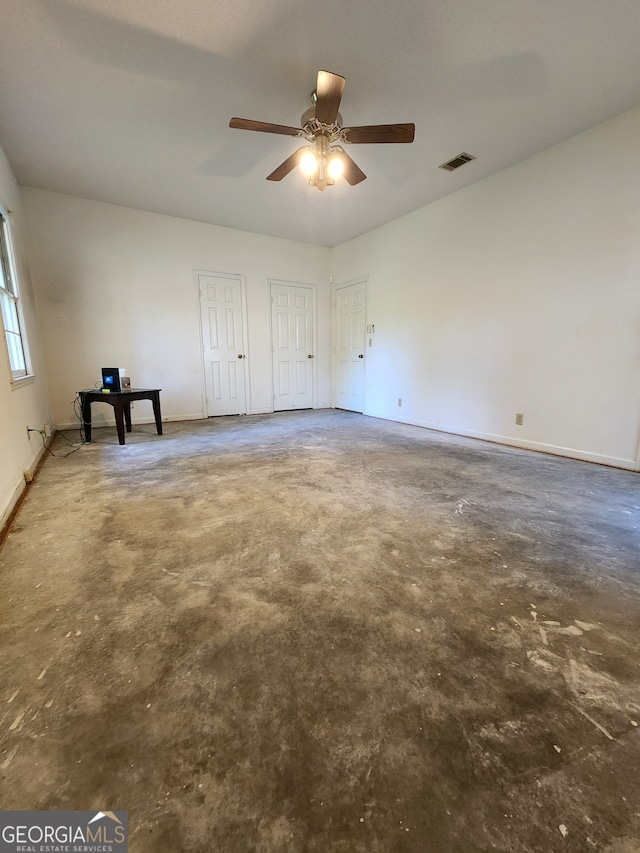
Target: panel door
x=292, y=336
x=221, y=310
x=349, y=352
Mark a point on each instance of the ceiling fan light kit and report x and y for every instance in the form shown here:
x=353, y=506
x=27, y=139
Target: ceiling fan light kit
x=322, y=163
x=324, y=160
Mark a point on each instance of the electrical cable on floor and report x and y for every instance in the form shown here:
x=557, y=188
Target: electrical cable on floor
x=62, y=455
x=80, y=442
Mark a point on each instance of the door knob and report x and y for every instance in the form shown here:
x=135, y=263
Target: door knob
x=240, y=355
x=361, y=355
x=309, y=356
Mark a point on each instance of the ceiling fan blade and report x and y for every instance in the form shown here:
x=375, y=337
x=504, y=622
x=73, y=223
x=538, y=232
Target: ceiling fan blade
x=352, y=174
x=263, y=126
x=288, y=166
x=381, y=133
x=329, y=89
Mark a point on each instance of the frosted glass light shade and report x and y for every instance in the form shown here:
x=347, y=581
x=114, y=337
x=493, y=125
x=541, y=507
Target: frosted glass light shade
x=336, y=166
x=309, y=163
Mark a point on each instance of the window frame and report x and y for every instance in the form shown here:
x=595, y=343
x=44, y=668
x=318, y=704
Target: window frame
x=13, y=324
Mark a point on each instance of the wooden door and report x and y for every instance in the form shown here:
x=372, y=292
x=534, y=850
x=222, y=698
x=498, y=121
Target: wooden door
x=293, y=352
x=223, y=343
x=349, y=349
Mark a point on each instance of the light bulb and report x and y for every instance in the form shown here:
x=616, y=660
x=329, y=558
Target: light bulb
x=309, y=163
x=336, y=166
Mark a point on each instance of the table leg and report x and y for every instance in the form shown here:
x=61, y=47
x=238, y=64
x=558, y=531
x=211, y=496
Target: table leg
x=156, y=411
x=85, y=409
x=127, y=416
x=119, y=419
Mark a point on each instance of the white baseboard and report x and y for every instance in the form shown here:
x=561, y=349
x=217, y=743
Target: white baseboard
x=267, y=411
x=510, y=441
x=110, y=422
x=13, y=500
x=19, y=488
x=195, y=416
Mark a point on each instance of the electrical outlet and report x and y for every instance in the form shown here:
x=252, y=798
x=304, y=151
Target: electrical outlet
x=400, y=401
x=519, y=419
x=28, y=432
x=47, y=430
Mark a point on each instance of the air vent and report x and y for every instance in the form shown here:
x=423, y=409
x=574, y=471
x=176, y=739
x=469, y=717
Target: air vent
x=458, y=161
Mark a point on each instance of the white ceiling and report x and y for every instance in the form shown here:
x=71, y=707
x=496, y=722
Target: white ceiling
x=128, y=101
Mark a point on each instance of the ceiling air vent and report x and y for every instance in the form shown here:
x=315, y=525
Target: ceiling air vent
x=458, y=161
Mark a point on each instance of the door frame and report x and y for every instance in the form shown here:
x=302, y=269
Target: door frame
x=314, y=325
x=243, y=310
x=364, y=281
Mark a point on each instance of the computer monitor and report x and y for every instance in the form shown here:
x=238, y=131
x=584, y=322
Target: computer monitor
x=111, y=378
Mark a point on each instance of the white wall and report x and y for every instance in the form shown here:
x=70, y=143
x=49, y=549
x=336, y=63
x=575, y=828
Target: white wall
x=116, y=287
x=518, y=294
x=21, y=404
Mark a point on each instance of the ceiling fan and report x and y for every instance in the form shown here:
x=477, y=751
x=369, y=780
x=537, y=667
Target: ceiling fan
x=324, y=159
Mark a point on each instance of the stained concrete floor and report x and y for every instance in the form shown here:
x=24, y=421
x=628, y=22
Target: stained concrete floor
x=317, y=631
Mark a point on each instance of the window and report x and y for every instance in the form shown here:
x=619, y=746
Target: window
x=9, y=297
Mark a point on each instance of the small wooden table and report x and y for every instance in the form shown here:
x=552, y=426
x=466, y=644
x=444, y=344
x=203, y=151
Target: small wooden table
x=121, y=402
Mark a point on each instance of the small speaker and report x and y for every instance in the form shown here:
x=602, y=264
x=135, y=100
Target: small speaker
x=111, y=378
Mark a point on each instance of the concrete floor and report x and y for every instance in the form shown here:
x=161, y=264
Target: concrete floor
x=316, y=631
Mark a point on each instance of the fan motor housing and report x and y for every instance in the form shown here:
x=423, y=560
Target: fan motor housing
x=310, y=114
